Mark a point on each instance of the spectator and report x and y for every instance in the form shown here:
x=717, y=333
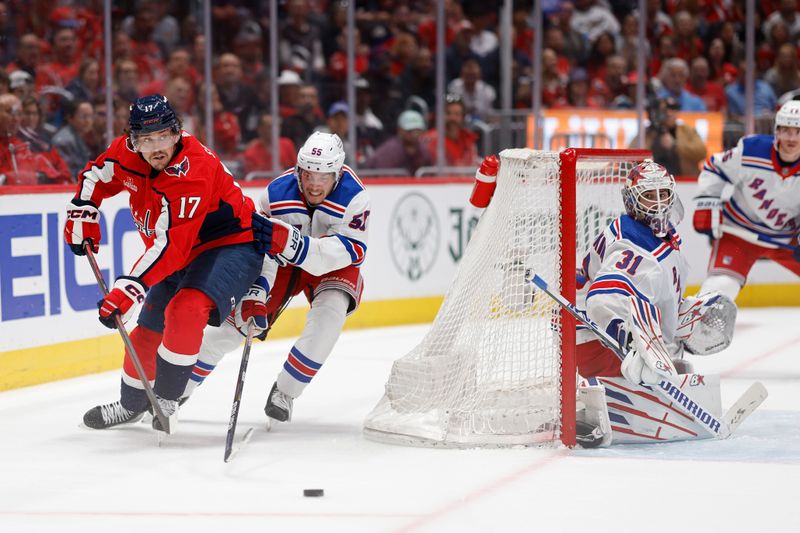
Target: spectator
x=300, y=46
x=628, y=43
x=145, y=52
x=302, y=124
x=258, y=154
x=289, y=83
x=577, y=92
x=764, y=99
x=18, y=164
x=675, y=145
x=369, y=128
x=590, y=20
x=21, y=84
x=419, y=78
x=673, y=76
x=247, y=45
x=179, y=65
x=338, y=122
x=405, y=150
x=160, y=27
x=711, y=92
x=459, y=142
x=5, y=82
x=36, y=133
x=236, y=97
x=784, y=75
x=29, y=53
x=687, y=43
x=179, y=94
x=64, y=65
x=126, y=80
x=718, y=63
x=477, y=95
x=86, y=85
x=403, y=51
x=562, y=38
x=601, y=49
x=8, y=36
x=553, y=81
x=609, y=83
x=72, y=140
x=787, y=14
x=459, y=51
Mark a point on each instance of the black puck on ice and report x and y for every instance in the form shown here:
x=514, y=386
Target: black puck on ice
x=313, y=493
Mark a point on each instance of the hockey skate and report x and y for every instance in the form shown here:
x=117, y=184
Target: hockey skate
x=110, y=415
x=170, y=410
x=279, y=405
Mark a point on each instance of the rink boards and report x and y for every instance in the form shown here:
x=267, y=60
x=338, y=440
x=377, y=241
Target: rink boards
x=418, y=232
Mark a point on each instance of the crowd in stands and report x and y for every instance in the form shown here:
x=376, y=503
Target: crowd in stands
x=52, y=84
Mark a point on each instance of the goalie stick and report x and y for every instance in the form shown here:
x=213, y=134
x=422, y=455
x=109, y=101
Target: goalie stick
x=719, y=428
x=148, y=390
x=237, y=396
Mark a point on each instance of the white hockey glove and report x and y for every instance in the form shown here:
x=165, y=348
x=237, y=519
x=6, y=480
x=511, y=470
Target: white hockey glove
x=648, y=359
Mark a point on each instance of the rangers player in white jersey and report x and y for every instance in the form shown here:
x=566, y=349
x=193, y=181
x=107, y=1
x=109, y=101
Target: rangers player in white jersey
x=316, y=229
x=748, y=202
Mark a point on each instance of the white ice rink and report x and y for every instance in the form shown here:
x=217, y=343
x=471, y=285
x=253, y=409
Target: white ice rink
x=58, y=476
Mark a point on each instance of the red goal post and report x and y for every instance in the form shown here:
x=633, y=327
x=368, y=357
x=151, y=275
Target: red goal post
x=497, y=367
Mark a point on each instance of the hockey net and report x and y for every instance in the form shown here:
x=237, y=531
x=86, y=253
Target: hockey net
x=497, y=366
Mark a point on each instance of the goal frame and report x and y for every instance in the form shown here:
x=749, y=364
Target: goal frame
x=569, y=159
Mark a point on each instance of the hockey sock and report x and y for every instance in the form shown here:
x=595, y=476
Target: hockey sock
x=323, y=326
x=216, y=343
x=184, y=320
x=145, y=341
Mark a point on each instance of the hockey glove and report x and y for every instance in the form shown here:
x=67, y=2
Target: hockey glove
x=275, y=237
x=485, y=182
x=254, y=305
x=83, y=224
x=127, y=292
x=708, y=216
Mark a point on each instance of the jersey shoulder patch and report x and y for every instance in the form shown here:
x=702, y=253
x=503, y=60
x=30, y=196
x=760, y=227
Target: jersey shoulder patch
x=758, y=146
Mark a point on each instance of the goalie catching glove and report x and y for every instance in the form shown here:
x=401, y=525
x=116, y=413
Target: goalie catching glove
x=705, y=323
x=121, y=300
x=83, y=225
x=278, y=239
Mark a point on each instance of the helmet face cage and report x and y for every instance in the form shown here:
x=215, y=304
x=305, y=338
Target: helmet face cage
x=653, y=211
x=322, y=152
x=150, y=114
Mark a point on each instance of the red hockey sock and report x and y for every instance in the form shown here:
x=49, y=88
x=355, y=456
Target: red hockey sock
x=145, y=341
x=184, y=320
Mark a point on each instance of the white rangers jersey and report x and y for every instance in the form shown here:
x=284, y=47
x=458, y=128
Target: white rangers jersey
x=627, y=261
x=334, y=232
x=766, y=195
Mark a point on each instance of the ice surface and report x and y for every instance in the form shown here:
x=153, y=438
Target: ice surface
x=58, y=476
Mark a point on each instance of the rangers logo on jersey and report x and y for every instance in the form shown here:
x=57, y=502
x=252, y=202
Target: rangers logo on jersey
x=181, y=169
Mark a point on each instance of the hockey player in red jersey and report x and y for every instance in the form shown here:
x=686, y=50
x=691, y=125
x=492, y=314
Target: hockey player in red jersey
x=748, y=203
x=196, y=226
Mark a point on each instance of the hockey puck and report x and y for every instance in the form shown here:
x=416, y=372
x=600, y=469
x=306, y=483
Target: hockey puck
x=313, y=493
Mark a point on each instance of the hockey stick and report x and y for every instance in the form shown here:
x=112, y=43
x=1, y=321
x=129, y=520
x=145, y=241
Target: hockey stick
x=741, y=409
x=237, y=395
x=148, y=390
x=756, y=238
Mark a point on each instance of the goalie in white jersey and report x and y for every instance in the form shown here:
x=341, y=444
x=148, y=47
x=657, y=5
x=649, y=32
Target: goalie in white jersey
x=748, y=203
x=317, y=231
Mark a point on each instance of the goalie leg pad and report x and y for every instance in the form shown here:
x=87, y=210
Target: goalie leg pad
x=592, y=410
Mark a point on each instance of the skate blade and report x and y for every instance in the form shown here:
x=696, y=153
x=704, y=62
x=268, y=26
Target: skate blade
x=269, y=424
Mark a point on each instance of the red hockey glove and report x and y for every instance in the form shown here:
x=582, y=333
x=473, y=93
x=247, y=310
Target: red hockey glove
x=127, y=292
x=708, y=216
x=254, y=305
x=83, y=224
x=485, y=182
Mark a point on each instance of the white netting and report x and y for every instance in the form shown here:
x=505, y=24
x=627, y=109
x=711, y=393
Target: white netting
x=488, y=373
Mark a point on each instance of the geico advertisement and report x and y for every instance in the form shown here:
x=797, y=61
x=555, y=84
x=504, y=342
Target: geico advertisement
x=418, y=233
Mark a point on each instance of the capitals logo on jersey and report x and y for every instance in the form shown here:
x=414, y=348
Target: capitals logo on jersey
x=181, y=169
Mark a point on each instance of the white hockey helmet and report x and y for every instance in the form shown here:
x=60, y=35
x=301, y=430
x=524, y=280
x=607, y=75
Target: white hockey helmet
x=655, y=211
x=788, y=115
x=322, y=152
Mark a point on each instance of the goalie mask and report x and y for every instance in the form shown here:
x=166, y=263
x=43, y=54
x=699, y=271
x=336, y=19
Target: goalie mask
x=322, y=153
x=714, y=331
x=650, y=197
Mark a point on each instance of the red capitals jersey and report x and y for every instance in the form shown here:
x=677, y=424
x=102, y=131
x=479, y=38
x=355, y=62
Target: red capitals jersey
x=191, y=206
